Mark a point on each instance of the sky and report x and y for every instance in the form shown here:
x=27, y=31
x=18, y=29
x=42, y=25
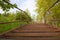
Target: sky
x=24, y=4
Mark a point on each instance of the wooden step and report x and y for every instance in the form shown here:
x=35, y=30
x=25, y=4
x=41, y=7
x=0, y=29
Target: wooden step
x=31, y=38
x=31, y=34
x=35, y=27
x=34, y=31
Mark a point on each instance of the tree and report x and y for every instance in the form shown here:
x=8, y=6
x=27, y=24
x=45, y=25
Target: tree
x=23, y=16
x=6, y=5
x=44, y=6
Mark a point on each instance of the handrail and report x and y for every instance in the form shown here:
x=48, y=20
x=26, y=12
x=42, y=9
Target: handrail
x=56, y=20
x=10, y=22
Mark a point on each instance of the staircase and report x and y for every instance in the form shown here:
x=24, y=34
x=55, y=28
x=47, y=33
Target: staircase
x=34, y=32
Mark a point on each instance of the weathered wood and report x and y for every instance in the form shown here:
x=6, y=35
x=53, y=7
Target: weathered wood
x=34, y=32
x=31, y=38
x=9, y=22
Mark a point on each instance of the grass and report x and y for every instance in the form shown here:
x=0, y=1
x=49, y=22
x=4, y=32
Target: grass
x=6, y=27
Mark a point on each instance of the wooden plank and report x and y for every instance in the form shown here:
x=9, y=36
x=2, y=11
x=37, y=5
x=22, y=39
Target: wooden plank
x=10, y=22
x=31, y=38
x=35, y=31
x=31, y=34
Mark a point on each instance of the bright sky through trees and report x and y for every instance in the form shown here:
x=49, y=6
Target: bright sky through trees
x=24, y=4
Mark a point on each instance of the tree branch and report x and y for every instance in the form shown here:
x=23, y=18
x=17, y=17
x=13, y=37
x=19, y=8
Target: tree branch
x=53, y=5
x=49, y=9
x=12, y=5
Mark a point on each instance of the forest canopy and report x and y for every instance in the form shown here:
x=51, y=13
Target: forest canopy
x=48, y=10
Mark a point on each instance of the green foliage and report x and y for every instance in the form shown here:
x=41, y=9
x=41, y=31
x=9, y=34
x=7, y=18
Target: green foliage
x=6, y=27
x=9, y=17
x=6, y=17
x=17, y=15
x=6, y=6
x=52, y=14
x=44, y=4
x=23, y=16
x=55, y=11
